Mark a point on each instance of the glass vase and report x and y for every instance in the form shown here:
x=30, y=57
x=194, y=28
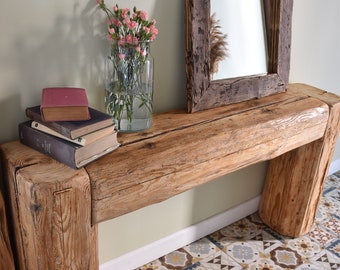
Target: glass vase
x=129, y=86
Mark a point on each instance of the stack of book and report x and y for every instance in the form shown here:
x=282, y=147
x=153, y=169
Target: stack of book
x=72, y=142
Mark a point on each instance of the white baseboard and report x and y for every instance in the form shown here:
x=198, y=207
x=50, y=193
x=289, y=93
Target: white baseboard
x=334, y=167
x=159, y=248
x=188, y=235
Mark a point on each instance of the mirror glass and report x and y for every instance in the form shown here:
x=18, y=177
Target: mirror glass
x=242, y=21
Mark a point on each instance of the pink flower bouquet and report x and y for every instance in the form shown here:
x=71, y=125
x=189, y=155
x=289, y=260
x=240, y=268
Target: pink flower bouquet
x=130, y=64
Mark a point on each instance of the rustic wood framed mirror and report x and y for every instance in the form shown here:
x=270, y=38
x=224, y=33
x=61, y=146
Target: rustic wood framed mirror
x=203, y=92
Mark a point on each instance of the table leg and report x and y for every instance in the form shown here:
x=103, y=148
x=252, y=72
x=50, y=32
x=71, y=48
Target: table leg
x=295, y=180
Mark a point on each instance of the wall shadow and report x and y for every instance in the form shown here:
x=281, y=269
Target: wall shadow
x=69, y=53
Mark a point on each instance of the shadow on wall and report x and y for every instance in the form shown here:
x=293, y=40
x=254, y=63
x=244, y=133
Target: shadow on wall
x=9, y=127
x=169, y=55
x=69, y=53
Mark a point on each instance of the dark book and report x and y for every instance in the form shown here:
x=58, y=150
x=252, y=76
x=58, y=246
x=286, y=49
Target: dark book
x=64, y=104
x=74, y=129
x=71, y=154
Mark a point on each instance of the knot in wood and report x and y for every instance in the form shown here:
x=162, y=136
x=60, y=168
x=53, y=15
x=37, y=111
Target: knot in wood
x=36, y=207
x=151, y=145
x=265, y=110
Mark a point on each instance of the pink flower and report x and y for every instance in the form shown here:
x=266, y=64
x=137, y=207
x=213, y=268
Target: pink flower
x=132, y=25
x=143, y=53
x=118, y=23
x=109, y=37
x=153, y=37
x=143, y=15
x=129, y=39
x=121, y=42
x=128, y=27
x=121, y=56
x=125, y=13
x=153, y=30
x=127, y=20
x=111, y=30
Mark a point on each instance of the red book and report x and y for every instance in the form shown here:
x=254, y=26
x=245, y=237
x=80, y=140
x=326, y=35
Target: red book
x=64, y=104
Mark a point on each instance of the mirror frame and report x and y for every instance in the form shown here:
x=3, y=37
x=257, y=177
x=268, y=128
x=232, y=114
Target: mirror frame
x=202, y=93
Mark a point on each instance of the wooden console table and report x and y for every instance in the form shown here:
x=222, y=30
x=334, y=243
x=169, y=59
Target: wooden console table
x=55, y=209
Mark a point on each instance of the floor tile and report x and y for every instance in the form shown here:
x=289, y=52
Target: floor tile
x=250, y=244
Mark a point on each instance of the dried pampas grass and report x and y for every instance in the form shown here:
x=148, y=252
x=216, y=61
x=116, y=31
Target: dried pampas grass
x=218, y=44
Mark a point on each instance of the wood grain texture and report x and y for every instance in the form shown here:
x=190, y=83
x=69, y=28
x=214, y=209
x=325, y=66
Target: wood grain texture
x=6, y=255
x=283, y=208
x=15, y=155
x=55, y=209
x=52, y=210
x=196, y=148
x=204, y=93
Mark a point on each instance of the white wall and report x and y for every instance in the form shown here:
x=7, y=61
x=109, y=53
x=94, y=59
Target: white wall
x=54, y=43
x=316, y=46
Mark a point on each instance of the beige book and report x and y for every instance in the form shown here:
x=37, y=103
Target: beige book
x=83, y=140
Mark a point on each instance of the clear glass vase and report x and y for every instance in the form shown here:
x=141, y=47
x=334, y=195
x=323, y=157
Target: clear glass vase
x=129, y=86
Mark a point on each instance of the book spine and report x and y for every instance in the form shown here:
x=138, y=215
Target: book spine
x=36, y=116
x=53, y=147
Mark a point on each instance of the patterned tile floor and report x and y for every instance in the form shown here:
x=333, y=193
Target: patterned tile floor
x=249, y=244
